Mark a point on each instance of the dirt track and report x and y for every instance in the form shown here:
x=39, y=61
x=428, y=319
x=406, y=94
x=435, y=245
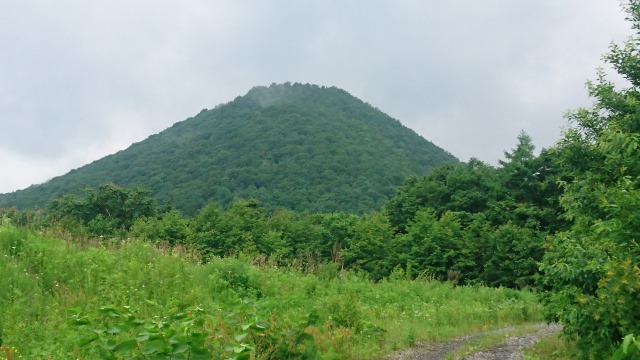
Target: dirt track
x=510, y=349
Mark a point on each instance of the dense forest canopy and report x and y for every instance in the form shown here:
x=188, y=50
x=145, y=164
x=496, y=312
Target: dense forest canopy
x=292, y=146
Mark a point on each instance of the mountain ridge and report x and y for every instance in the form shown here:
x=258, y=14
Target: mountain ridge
x=297, y=146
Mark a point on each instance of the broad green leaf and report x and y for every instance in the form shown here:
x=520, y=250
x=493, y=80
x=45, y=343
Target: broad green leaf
x=240, y=337
x=114, y=330
x=142, y=337
x=126, y=346
x=81, y=321
x=625, y=343
x=88, y=340
x=75, y=311
x=109, y=310
x=243, y=357
x=153, y=347
x=111, y=344
x=180, y=348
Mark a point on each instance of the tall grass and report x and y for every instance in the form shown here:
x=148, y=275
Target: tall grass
x=47, y=282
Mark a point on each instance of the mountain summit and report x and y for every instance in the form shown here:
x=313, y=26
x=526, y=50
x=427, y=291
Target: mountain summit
x=296, y=146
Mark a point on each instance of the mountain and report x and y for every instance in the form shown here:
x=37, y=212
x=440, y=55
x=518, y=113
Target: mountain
x=296, y=146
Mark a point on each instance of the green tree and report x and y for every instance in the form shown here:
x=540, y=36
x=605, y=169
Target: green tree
x=205, y=228
x=514, y=254
x=435, y=245
x=301, y=237
x=530, y=187
x=477, y=241
x=522, y=153
x=517, y=173
x=591, y=270
x=108, y=210
x=171, y=227
x=239, y=229
x=470, y=188
x=369, y=247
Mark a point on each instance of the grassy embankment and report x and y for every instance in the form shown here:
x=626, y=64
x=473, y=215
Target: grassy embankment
x=136, y=299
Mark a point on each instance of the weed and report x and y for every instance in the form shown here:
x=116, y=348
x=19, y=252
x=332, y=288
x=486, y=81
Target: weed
x=9, y=353
x=286, y=314
x=121, y=334
x=551, y=347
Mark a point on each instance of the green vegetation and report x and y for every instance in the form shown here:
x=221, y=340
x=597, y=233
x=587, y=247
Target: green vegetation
x=591, y=270
x=551, y=347
x=313, y=246
x=291, y=146
x=467, y=244
x=479, y=223
x=134, y=299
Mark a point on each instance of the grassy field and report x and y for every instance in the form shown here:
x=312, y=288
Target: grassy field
x=65, y=299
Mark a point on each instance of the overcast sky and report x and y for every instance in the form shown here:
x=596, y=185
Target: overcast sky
x=83, y=79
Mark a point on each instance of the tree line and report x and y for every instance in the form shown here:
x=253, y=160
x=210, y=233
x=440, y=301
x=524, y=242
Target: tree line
x=471, y=223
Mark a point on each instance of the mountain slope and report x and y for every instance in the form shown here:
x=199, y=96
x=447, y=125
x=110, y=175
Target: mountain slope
x=295, y=146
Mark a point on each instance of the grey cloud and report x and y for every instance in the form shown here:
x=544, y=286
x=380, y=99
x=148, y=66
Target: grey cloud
x=80, y=80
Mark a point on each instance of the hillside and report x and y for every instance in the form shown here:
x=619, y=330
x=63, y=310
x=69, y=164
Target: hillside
x=295, y=146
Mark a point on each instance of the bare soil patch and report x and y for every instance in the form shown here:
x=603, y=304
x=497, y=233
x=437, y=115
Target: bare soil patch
x=510, y=349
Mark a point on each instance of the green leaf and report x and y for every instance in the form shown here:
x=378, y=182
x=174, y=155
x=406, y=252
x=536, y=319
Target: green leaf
x=179, y=316
x=180, y=348
x=126, y=346
x=243, y=357
x=240, y=337
x=79, y=321
x=75, y=311
x=87, y=340
x=169, y=333
x=239, y=349
x=114, y=330
x=304, y=337
x=198, y=336
x=153, y=347
x=109, y=310
x=142, y=337
x=111, y=344
x=625, y=343
x=199, y=350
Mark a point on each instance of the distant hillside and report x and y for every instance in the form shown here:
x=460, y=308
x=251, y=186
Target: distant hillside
x=295, y=146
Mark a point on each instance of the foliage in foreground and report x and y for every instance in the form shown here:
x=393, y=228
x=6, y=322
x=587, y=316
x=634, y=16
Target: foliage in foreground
x=133, y=297
x=551, y=347
x=591, y=270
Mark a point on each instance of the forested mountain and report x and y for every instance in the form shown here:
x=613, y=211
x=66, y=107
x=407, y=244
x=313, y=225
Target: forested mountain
x=294, y=146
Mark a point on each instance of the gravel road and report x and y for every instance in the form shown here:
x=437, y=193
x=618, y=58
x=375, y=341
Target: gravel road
x=511, y=349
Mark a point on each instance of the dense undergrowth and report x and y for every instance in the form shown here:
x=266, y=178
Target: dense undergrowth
x=65, y=298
